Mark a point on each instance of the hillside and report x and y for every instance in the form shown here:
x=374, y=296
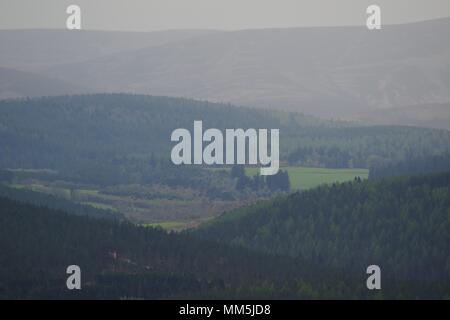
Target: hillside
x=93, y=134
x=119, y=260
x=427, y=115
x=275, y=151
x=28, y=52
x=57, y=203
x=329, y=71
x=36, y=49
x=18, y=84
x=113, y=152
x=400, y=224
x=414, y=165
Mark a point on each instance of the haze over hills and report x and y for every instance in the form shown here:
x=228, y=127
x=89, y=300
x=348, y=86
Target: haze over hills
x=327, y=71
x=428, y=115
x=308, y=232
x=27, y=52
x=34, y=49
x=18, y=84
x=331, y=72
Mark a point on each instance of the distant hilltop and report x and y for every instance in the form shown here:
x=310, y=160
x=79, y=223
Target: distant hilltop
x=331, y=72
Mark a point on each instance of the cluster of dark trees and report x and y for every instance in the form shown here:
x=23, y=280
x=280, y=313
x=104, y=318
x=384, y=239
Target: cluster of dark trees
x=278, y=182
x=323, y=156
x=414, y=165
x=364, y=147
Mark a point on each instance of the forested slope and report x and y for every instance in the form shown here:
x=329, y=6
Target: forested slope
x=402, y=225
x=413, y=165
x=119, y=260
x=113, y=139
x=57, y=203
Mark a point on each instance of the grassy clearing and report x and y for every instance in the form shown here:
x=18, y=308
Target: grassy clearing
x=169, y=225
x=177, y=225
x=184, y=209
x=302, y=178
x=98, y=205
x=187, y=211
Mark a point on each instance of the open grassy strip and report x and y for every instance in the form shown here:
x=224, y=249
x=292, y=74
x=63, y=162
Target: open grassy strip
x=182, y=210
x=169, y=225
x=178, y=225
x=307, y=178
x=140, y=209
x=98, y=205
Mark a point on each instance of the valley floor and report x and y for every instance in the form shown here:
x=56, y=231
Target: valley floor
x=176, y=208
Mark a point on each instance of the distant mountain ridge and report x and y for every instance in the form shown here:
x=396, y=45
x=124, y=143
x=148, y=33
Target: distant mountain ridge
x=435, y=115
x=27, y=52
x=34, y=49
x=331, y=72
x=19, y=84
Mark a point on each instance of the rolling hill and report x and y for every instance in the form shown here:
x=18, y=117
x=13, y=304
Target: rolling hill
x=97, y=134
x=35, y=49
x=20, y=84
x=400, y=224
x=26, y=52
x=427, y=115
x=329, y=71
x=113, y=151
x=123, y=261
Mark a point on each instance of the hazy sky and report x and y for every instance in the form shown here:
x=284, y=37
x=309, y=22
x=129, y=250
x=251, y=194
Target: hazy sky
x=149, y=15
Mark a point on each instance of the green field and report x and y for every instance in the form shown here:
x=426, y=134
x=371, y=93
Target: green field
x=302, y=178
x=98, y=205
x=177, y=225
x=168, y=225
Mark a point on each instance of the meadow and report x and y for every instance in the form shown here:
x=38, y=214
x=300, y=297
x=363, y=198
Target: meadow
x=177, y=208
x=171, y=209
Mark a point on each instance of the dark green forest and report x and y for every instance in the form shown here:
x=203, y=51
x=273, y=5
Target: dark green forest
x=309, y=245
x=121, y=260
x=108, y=139
x=57, y=203
x=363, y=146
x=414, y=165
x=401, y=224
x=103, y=162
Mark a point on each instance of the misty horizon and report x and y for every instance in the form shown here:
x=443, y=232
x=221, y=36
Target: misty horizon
x=226, y=30
x=157, y=15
